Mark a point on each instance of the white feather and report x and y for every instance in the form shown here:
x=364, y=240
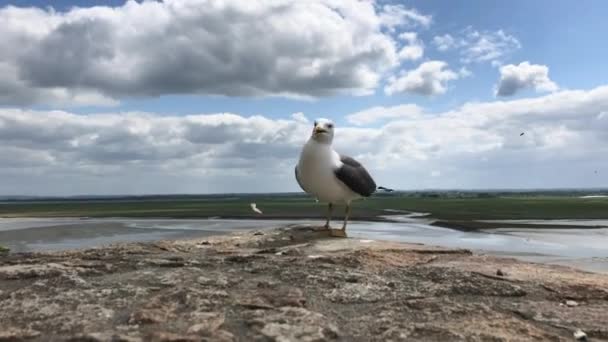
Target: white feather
x=255, y=208
x=316, y=167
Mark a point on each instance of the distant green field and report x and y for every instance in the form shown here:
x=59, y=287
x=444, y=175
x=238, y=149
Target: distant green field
x=450, y=209
x=500, y=207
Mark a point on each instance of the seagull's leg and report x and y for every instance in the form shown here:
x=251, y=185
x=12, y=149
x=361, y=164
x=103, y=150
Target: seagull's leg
x=330, y=208
x=342, y=232
x=346, y=215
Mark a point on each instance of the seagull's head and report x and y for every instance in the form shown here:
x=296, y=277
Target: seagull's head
x=323, y=131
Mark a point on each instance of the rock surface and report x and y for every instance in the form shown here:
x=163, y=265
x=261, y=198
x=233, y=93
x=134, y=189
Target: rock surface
x=293, y=284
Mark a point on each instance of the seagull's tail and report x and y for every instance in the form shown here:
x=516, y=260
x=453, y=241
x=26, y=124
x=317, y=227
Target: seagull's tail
x=385, y=189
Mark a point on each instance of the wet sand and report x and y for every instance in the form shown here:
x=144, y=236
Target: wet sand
x=42, y=235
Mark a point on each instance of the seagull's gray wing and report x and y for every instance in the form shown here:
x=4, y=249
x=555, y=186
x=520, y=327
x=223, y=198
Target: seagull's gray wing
x=355, y=177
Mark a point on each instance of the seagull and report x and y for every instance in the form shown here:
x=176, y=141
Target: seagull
x=330, y=177
x=522, y=133
x=255, y=208
x=385, y=189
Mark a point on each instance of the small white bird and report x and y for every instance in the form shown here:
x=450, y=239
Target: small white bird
x=255, y=208
x=329, y=176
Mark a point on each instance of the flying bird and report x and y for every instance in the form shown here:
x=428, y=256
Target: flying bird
x=385, y=189
x=522, y=133
x=255, y=208
x=330, y=177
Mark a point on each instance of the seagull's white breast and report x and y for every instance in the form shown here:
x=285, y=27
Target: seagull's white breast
x=316, y=173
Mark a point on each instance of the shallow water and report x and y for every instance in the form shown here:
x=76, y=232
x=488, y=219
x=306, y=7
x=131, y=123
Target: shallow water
x=574, y=222
x=583, y=248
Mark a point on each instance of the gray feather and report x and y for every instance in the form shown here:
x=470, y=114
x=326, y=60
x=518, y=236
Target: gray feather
x=355, y=177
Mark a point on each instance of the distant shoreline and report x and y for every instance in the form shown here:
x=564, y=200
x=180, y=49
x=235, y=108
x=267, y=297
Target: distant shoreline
x=460, y=213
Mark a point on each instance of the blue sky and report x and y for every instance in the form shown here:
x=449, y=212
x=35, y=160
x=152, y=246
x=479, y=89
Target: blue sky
x=453, y=107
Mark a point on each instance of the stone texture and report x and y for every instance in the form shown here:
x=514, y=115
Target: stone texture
x=240, y=288
x=210, y=322
x=293, y=324
x=17, y=334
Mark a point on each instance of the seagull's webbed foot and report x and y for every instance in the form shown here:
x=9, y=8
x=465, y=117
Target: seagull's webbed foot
x=338, y=233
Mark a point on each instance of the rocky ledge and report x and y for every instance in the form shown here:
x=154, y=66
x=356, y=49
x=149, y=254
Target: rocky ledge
x=294, y=284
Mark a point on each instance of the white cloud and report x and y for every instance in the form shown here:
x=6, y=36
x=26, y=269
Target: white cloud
x=514, y=78
x=120, y=146
x=299, y=117
x=430, y=78
x=414, y=49
x=393, y=16
x=379, y=113
x=444, y=42
x=100, y=54
x=489, y=46
x=479, y=144
x=464, y=72
x=474, y=145
x=479, y=46
x=16, y=91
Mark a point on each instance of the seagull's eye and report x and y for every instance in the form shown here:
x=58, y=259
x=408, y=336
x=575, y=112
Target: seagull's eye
x=330, y=126
x=315, y=124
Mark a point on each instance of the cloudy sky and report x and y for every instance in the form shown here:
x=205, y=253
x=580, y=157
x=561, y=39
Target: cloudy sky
x=207, y=96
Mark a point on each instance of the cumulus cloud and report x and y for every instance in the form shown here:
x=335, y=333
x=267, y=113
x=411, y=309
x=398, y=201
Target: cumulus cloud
x=478, y=144
x=514, y=78
x=473, y=145
x=380, y=113
x=219, y=145
x=430, y=78
x=479, y=46
x=100, y=54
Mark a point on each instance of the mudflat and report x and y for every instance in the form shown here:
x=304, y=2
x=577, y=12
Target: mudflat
x=293, y=284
